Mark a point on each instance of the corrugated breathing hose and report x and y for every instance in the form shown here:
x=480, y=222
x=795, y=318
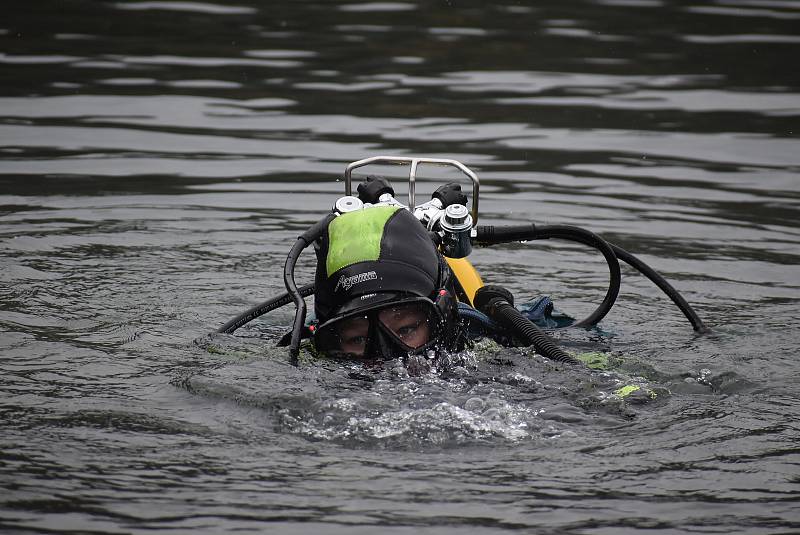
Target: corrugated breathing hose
x=498, y=303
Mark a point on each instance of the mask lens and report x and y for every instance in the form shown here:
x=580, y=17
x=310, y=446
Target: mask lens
x=399, y=327
x=409, y=323
x=348, y=336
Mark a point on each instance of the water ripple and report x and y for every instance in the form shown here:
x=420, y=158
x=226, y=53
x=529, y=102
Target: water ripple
x=192, y=7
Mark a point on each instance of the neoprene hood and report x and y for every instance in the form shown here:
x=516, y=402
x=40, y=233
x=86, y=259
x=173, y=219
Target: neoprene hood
x=370, y=252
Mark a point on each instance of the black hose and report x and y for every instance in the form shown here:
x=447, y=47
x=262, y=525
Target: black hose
x=577, y=234
x=665, y=286
x=267, y=306
x=491, y=235
x=488, y=235
x=497, y=303
x=304, y=240
x=294, y=294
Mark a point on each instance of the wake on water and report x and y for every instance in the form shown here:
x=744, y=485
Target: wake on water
x=485, y=395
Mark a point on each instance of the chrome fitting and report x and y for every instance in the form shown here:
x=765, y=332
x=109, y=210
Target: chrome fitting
x=456, y=227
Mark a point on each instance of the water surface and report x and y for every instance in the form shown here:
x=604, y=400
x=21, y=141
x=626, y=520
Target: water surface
x=158, y=158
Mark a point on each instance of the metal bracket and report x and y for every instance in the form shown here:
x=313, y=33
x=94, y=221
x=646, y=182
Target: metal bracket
x=412, y=175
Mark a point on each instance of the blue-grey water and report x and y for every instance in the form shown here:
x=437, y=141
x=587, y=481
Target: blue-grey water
x=158, y=158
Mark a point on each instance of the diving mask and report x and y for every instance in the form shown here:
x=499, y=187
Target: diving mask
x=390, y=328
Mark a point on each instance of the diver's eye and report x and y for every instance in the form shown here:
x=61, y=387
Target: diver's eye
x=355, y=340
x=404, y=331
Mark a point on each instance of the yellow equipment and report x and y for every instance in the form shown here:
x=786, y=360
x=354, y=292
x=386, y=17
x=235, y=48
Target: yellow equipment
x=467, y=276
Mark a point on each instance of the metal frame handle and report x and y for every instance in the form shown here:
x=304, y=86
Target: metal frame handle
x=412, y=175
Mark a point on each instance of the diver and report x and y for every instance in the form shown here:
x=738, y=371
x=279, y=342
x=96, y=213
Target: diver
x=383, y=290
x=393, y=281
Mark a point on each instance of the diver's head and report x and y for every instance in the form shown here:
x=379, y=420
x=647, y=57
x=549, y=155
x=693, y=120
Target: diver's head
x=382, y=288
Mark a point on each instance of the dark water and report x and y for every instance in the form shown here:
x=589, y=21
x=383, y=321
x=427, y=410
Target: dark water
x=158, y=158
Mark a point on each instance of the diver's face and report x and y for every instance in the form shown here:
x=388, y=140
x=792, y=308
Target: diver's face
x=409, y=324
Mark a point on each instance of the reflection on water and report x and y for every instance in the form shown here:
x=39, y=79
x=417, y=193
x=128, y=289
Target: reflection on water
x=157, y=159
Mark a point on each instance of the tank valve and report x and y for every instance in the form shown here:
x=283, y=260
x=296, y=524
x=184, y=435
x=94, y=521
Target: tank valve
x=348, y=203
x=456, y=226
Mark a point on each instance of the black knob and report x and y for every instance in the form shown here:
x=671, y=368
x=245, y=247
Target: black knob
x=373, y=187
x=449, y=194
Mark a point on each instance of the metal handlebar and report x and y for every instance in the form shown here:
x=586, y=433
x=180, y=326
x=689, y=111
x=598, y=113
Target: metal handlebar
x=412, y=175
